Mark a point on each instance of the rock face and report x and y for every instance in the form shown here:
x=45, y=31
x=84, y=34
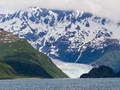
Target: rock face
x=100, y=72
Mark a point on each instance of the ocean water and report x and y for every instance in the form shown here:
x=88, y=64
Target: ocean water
x=60, y=84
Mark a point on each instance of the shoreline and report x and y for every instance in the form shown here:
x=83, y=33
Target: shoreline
x=53, y=78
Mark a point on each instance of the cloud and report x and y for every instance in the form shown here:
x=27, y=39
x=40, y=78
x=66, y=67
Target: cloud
x=105, y=8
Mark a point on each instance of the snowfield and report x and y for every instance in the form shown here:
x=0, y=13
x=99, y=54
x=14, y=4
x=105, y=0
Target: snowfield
x=73, y=70
x=61, y=34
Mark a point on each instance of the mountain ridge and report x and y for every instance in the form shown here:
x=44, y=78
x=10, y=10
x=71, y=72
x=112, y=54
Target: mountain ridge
x=63, y=35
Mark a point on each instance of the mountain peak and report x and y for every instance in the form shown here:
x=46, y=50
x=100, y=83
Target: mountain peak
x=56, y=31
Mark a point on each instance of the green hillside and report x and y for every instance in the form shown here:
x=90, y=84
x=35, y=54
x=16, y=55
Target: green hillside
x=110, y=57
x=18, y=59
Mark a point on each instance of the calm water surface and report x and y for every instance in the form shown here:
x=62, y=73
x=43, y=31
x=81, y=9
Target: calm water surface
x=60, y=84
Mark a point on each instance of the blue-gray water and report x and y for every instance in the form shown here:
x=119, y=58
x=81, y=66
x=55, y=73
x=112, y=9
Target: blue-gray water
x=60, y=84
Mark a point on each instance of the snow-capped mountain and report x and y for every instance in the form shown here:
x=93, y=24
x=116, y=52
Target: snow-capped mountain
x=62, y=34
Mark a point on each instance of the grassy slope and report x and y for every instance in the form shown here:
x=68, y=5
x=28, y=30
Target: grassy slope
x=111, y=58
x=19, y=59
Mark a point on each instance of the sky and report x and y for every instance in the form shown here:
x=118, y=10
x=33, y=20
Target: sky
x=105, y=8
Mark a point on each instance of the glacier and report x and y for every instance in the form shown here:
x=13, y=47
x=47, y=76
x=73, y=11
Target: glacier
x=73, y=70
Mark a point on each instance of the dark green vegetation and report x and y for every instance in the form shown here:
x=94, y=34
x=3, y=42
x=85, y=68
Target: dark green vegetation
x=110, y=57
x=101, y=72
x=18, y=59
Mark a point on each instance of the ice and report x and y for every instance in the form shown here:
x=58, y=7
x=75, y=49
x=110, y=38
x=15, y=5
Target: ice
x=73, y=70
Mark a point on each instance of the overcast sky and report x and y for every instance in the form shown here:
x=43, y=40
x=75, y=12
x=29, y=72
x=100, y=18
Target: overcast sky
x=105, y=8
